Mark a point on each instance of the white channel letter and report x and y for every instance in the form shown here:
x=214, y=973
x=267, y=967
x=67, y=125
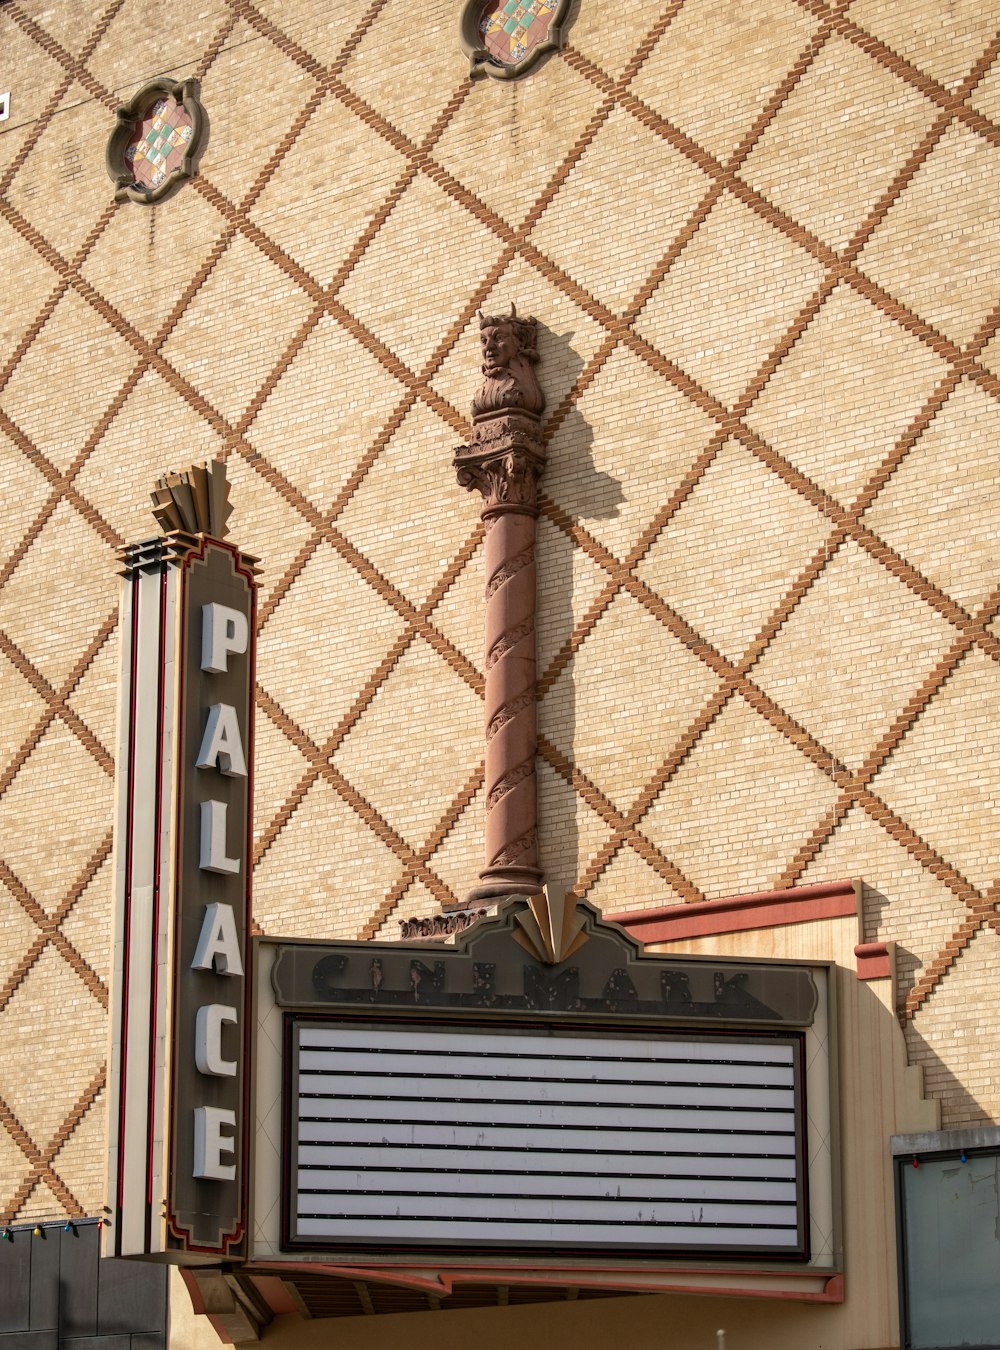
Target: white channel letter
x=223, y=630
x=210, y=1143
x=208, y=1040
x=218, y=944
x=221, y=746
x=212, y=857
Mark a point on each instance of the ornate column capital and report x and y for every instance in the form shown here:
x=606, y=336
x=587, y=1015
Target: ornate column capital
x=506, y=454
x=503, y=463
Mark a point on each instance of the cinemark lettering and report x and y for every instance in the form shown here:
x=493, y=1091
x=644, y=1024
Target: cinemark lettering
x=225, y=635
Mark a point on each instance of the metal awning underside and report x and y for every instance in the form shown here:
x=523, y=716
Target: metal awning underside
x=332, y=1296
x=240, y=1303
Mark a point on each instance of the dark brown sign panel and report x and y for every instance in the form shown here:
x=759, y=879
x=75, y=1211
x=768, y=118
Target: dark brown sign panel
x=608, y=975
x=208, y=1181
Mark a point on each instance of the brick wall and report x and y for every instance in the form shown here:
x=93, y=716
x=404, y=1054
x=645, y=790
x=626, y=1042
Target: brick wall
x=759, y=243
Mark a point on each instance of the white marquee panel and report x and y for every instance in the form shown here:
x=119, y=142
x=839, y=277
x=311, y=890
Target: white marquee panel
x=457, y=1134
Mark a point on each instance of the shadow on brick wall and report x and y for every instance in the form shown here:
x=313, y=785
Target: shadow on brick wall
x=574, y=492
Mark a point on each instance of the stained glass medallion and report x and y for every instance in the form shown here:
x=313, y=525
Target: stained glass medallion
x=503, y=38
x=156, y=140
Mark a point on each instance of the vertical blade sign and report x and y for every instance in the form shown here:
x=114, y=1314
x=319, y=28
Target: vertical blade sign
x=179, y=1076
x=212, y=857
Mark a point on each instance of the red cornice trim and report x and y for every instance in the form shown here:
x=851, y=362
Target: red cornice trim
x=874, y=961
x=272, y=1290
x=741, y=913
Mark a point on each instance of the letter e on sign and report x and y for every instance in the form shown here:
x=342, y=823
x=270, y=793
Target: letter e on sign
x=210, y=1143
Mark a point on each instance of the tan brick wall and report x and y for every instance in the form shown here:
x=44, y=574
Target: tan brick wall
x=761, y=247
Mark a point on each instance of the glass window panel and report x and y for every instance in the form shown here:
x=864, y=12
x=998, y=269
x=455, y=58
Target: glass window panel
x=951, y=1224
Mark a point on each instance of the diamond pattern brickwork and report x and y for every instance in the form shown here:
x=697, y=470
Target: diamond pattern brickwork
x=759, y=245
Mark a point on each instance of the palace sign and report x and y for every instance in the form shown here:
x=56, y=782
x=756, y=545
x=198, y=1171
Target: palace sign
x=179, y=1078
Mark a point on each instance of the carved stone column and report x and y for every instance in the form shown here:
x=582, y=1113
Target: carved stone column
x=503, y=464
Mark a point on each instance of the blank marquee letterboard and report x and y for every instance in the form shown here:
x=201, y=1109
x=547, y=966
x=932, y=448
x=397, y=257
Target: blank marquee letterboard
x=442, y=1134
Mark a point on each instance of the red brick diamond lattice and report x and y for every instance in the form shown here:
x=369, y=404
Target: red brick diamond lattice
x=67, y=706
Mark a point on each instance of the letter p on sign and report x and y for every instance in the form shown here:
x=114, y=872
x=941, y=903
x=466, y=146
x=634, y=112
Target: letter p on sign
x=223, y=630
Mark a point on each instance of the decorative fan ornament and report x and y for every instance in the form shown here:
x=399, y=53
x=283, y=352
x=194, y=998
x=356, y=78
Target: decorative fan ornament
x=551, y=926
x=195, y=501
x=505, y=38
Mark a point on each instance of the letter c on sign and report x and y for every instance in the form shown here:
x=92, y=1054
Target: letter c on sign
x=208, y=1040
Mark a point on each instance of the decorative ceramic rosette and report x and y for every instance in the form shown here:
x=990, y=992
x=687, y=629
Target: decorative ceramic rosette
x=504, y=38
x=156, y=140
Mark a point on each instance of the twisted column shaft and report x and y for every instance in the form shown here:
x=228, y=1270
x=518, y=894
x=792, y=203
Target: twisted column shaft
x=503, y=464
x=511, y=734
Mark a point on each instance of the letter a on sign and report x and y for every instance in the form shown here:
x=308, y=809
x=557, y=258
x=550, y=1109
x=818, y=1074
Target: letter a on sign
x=221, y=746
x=218, y=945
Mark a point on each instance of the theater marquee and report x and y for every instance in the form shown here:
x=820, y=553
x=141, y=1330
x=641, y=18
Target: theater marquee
x=482, y=1098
